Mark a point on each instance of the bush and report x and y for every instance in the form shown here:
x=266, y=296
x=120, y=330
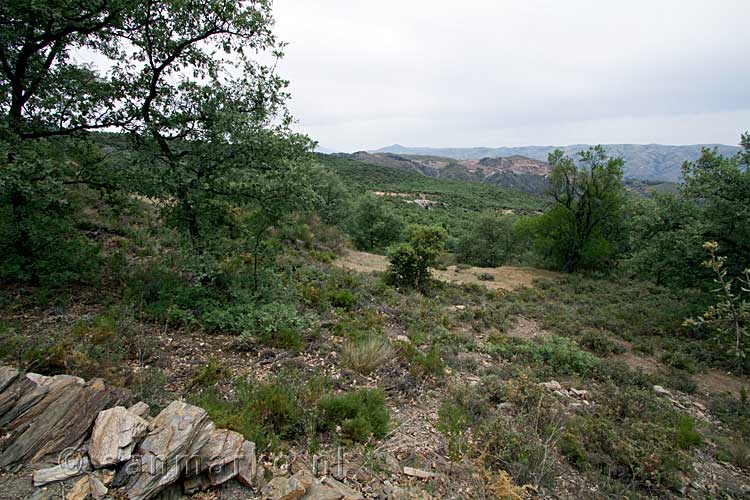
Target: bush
x=410, y=262
x=485, y=277
x=360, y=414
x=560, y=354
x=277, y=325
x=600, y=343
x=343, y=299
x=452, y=423
x=265, y=413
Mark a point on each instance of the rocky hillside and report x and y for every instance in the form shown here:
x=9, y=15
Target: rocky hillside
x=642, y=161
x=515, y=171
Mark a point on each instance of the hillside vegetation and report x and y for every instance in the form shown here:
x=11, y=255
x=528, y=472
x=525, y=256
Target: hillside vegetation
x=423, y=337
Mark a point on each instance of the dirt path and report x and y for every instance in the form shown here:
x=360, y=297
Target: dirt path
x=504, y=278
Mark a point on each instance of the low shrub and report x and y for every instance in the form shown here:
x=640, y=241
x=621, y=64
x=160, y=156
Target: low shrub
x=343, y=299
x=600, y=343
x=559, y=354
x=360, y=414
x=266, y=413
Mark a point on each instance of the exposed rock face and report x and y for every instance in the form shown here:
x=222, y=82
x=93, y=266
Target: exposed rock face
x=116, y=433
x=220, y=457
x=42, y=416
x=178, y=433
x=180, y=450
x=66, y=470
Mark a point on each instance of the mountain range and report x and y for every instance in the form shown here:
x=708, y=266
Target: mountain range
x=650, y=162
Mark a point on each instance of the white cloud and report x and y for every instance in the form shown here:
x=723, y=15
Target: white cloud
x=500, y=73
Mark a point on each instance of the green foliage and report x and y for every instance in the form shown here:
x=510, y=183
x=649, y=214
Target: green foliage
x=559, y=354
x=209, y=374
x=600, y=343
x=343, y=299
x=489, y=242
x=721, y=187
x=373, y=224
x=633, y=438
x=360, y=414
x=410, y=262
x=729, y=319
x=665, y=237
x=265, y=413
x=452, y=423
x=581, y=228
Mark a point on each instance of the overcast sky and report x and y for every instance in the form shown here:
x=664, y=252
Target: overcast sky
x=366, y=74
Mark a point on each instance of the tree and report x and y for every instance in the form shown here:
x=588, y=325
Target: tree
x=729, y=318
x=207, y=119
x=488, y=242
x=332, y=201
x=720, y=187
x=586, y=213
x=410, y=262
x=665, y=235
x=373, y=225
x=47, y=100
x=219, y=134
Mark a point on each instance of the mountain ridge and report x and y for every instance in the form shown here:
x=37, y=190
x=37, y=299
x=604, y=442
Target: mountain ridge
x=651, y=162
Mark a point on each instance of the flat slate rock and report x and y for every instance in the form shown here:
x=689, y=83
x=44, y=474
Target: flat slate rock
x=220, y=457
x=116, y=434
x=52, y=415
x=178, y=433
x=72, y=467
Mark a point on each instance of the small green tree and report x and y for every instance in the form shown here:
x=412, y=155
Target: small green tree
x=488, y=242
x=720, y=186
x=730, y=317
x=373, y=224
x=410, y=262
x=580, y=227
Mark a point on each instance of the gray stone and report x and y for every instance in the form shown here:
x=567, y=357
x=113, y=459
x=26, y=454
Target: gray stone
x=317, y=491
x=39, y=428
x=342, y=489
x=71, y=467
x=220, y=456
x=247, y=467
x=116, y=434
x=178, y=433
x=140, y=409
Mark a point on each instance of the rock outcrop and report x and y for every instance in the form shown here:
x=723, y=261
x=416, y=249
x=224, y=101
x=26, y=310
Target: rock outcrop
x=86, y=432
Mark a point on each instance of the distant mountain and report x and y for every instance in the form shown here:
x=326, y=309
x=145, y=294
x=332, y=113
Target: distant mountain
x=516, y=171
x=652, y=162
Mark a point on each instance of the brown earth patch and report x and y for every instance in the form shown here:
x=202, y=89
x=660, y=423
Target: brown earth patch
x=504, y=278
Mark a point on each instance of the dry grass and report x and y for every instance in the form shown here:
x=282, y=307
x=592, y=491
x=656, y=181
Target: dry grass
x=504, y=278
x=366, y=356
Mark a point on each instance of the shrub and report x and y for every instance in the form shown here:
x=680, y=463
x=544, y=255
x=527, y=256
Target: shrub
x=265, y=413
x=424, y=364
x=360, y=414
x=366, y=356
x=410, y=262
x=600, y=343
x=485, y=277
x=277, y=325
x=452, y=423
x=733, y=412
x=209, y=374
x=560, y=354
x=343, y=299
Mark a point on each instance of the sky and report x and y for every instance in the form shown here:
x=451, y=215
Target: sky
x=366, y=74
